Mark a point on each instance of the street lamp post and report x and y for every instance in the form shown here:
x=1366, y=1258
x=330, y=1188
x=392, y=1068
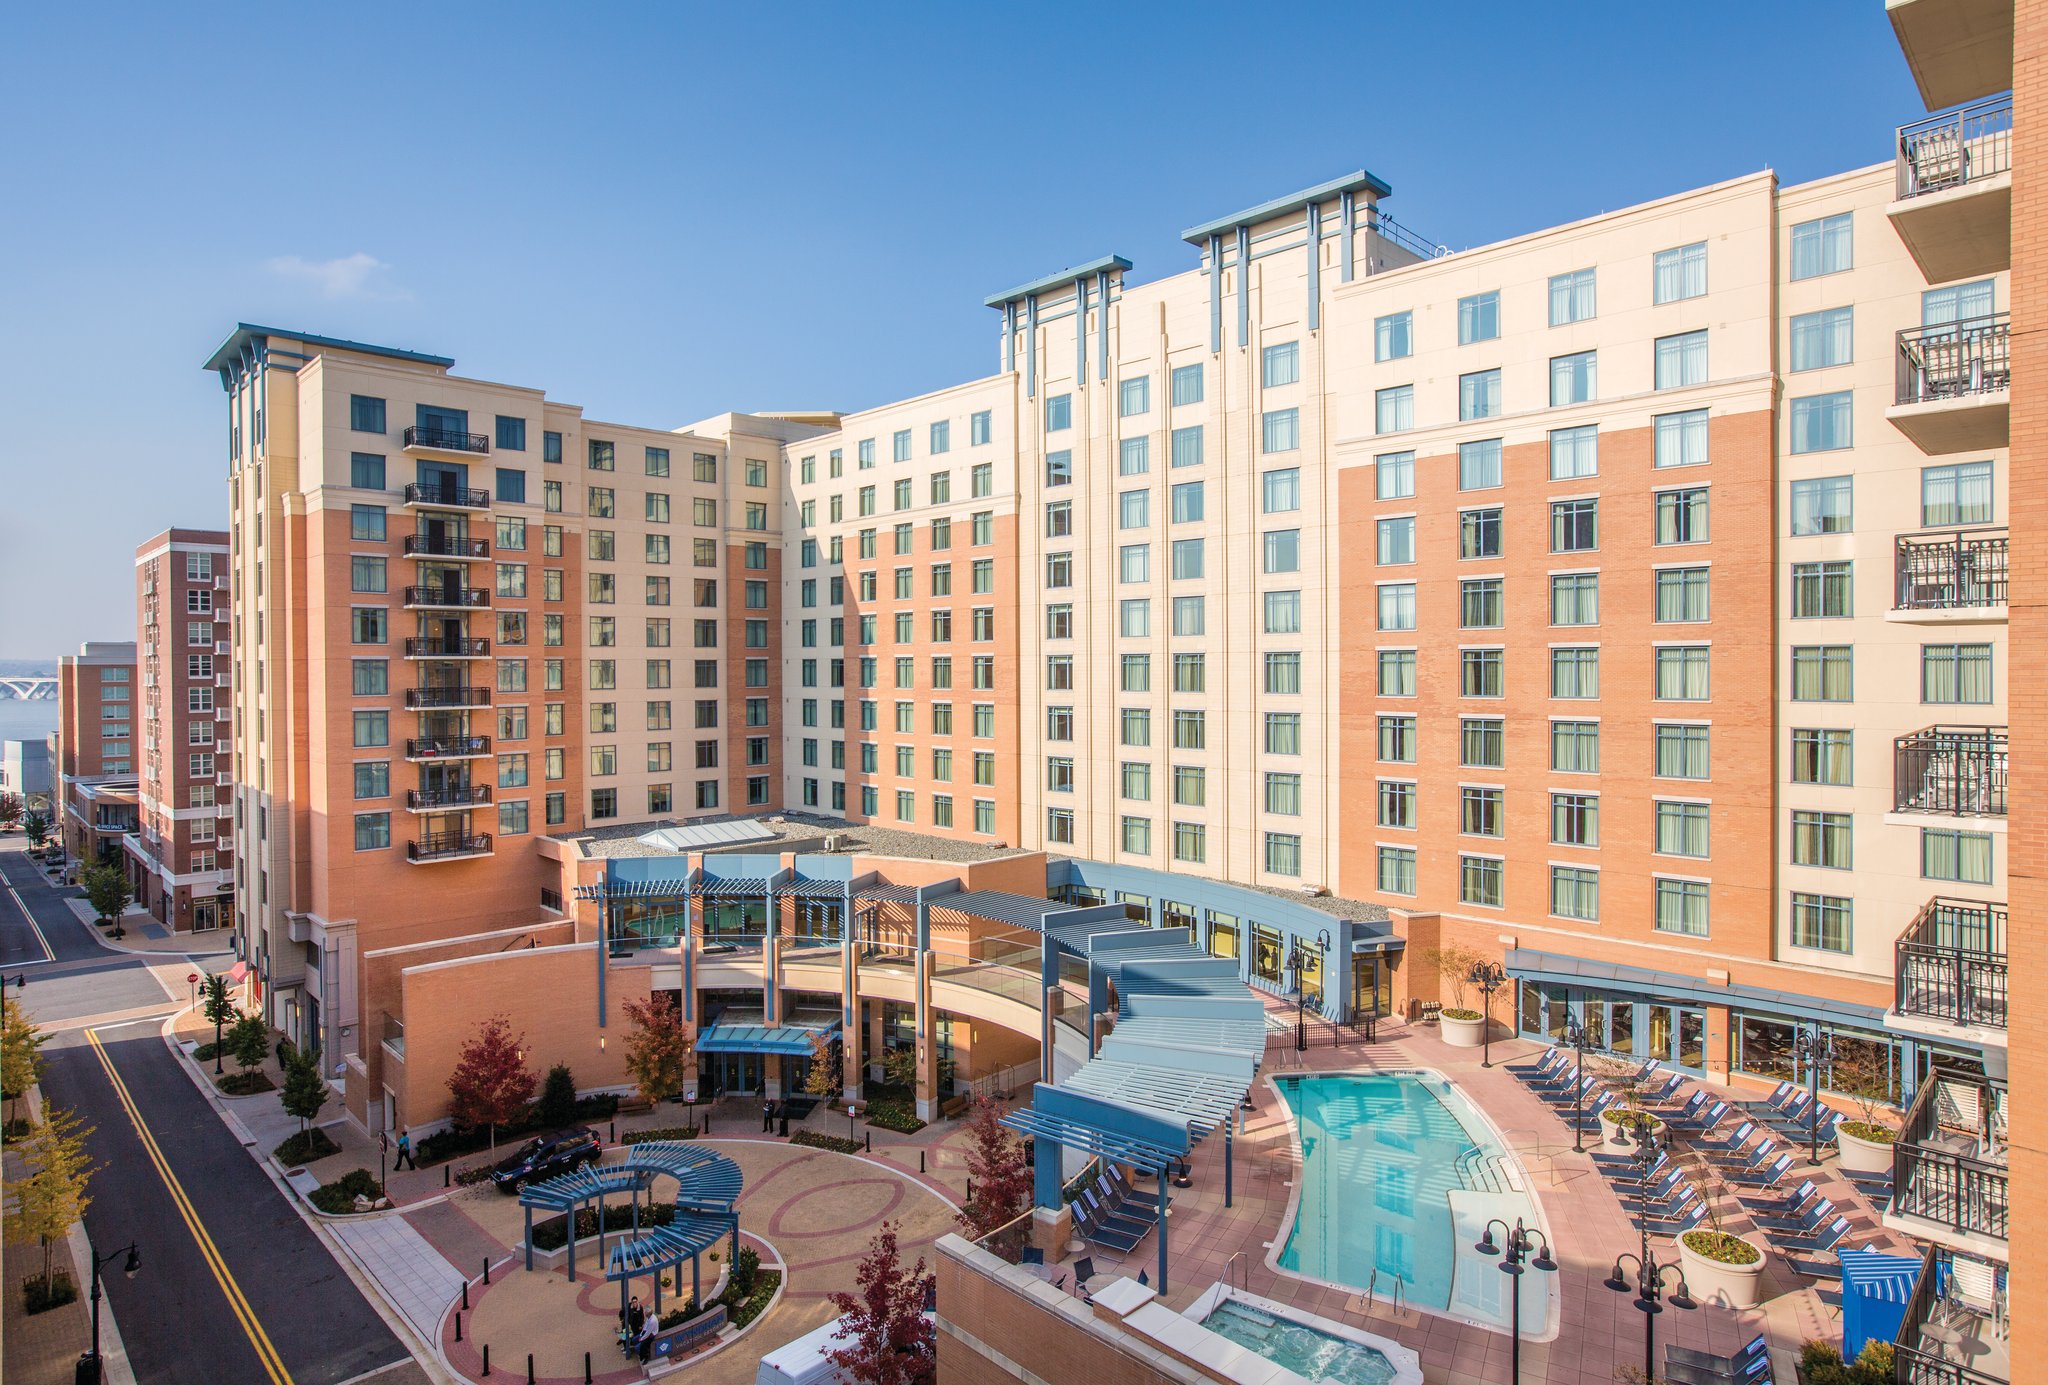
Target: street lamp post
x=1575, y=1037
x=1488, y=977
x=1297, y=962
x=1649, y=1274
x=1815, y=1048
x=1519, y=1242
x=89, y=1365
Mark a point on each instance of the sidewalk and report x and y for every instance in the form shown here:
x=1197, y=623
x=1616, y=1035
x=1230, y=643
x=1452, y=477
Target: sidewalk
x=145, y=937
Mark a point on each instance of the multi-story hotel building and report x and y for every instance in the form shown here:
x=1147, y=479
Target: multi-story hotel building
x=95, y=744
x=1626, y=601
x=178, y=857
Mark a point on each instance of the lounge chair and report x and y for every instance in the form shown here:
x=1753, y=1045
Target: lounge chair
x=1767, y=1204
x=1701, y=1123
x=1685, y=1219
x=1548, y=1064
x=1749, y=1366
x=1694, y=1105
x=1802, y=1224
x=1661, y=1093
x=1723, y=1145
x=1767, y=1176
x=1631, y=1192
x=1759, y=1345
x=1742, y=1161
x=1819, y=1242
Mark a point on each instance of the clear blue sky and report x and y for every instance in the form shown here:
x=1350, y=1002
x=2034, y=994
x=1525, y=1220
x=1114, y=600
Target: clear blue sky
x=662, y=211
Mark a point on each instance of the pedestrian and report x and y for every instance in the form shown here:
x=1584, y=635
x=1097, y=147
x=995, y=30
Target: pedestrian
x=635, y=1315
x=647, y=1331
x=767, y=1117
x=405, y=1159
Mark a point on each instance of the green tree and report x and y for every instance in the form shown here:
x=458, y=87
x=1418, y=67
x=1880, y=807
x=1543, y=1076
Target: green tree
x=10, y=809
x=889, y=1340
x=899, y=1067
x=218, y=1011
x=556, y=1106
x=305, y=1090
x=249, y=1042
x=106, y=889
x=821, y=1078
x=38, y=828
x=659, y=1049
x=490, y=1085
x=51, y=1197
x=21, y=1058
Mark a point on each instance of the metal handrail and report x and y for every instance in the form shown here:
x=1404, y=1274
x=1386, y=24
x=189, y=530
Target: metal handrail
x=1950, y=963
x=461, y=844
x=1959, y=569
x=1957, y=770
x=448, y=497
x=417, y=698
x=1954, y=149
x=438, y=747
x=1954, y=360
x=446, y=439
x=465, y=648
x=466, y=598
x=426, y=546
x=472, y=795
x=1943, y=1185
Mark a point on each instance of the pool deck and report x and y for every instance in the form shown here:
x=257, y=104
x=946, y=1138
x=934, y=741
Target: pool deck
x=1599, y=1330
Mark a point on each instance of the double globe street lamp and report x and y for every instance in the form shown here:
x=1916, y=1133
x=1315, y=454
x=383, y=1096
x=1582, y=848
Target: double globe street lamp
x=1649, y=1285
x=1518, y=1245
x=1488, y=977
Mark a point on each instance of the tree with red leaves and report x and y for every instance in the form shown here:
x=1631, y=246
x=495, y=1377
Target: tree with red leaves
x=890, y=1340
x=1000, y=1177
x=491, y=1084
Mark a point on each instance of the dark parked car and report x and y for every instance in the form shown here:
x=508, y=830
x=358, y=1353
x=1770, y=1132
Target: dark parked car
x=547, y=1156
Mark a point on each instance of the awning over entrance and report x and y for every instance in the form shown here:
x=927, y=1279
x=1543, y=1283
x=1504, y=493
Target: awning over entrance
x=795, y=1040
x=1524, y=964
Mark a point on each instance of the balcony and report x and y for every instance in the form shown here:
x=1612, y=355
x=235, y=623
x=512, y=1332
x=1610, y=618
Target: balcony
x=455, y=800
x=1949, y=1180
x=430, y=699
x=447, y=598
x=1954, y=770
x=1954, y=385
x=457, y=550
x=452, y=846
x=1959, y=50
x=1951, y=969
x=430, y=648
x=423, y=438
x=1955, y=1330
x=1960, y=575
x=434, y=748
x=446, y=497
x=1954, y=196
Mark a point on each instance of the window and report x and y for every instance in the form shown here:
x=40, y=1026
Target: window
x=367, y=625
x=1394, y=476
x=1479, y=465
x=1575, y=598
x=1187, y=559
x=941, y=437
x=1955, y=673
x=1575, y=893
x=365, y=524
x=1479, y=394
x=1574, y=526
x=1823, y=673
x=1188, y=615
x=1397, y=740
x=1571, y=297
x=1283, y=794
x=1680, y=273
x=1187, y=385
x=1283, y=733
x=1822, y=590
x=511, y=485
x=1681, y=594
x=1397, y=869
x=1059, y=412
x=1952, y=495
x=1823, y=505
x=1823, y=922
x=1136, y=835
x=1283, y=673
x=366, y=471
x=1134, y=396
x=1821, y=422
x=899, y=445
x=1394, y=409
x=1681, y=907
x=980, y=428
x=603, y=456
x=1681, y=752
x=1681, y=673
x=551, y=451
x=1575, y=673
x=1186, y=448
x=1134, y=509
x=366, y=414
x=1681, y=828
x=1396, y=673
x=656, y=463
x=1479, y=317
x=1187, y=502
x=1281, y=364
x=1479, y=880
x=1574, y=452
x=1189, y=842
x=372, y=728
x=1481, y=604
x=1393, y=336
x=1821, y=247
x=1479, y=672
x=1681, y=360
x=1956, y=303
x=1824, y=338
x=1134, y=618
x=368, y=678
x=1963, y=857
x=1821, y=839
x=1481, y=742
x=1572, y=378
x=1823, y=756
x=1575, y=819
x=1189, y=673
x=1575, y=747
x=1282, y=550
x=1682, y=516
x=1280, y=430
x=373, y=830
x=1134, y=562
x=1281, y=491
x=365, y=574
x=1283, y=613
x=373, y=779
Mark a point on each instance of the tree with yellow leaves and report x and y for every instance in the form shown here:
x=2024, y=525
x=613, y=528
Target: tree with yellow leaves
x=51, y=1196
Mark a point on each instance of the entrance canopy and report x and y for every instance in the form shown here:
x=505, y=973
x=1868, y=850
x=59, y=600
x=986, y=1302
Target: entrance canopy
x=794, y=1040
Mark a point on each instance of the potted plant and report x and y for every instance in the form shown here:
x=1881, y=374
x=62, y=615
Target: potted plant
x=1865, y=1144
x=1624, y=1123
x=1461, y=1026
x=1720, y=1267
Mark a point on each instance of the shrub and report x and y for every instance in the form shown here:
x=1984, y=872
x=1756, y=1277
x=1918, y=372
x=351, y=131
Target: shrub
x=339, y=1197
x=601, y=1107
x=1820, y=1363
x=676, y=1317
x=246, y=1084
x=553, y=1233
x=474, y=1174
x=837, y=1143
x=204, y=1053
x=665, y=1132
x=746, y=1270
x=899, y=1116
x=1722, y=1247
x=306, y=1147
x=741, y=1309
x=1456, y=1012
x=16, y=1128
x=39, y=1295
x=556, y=1105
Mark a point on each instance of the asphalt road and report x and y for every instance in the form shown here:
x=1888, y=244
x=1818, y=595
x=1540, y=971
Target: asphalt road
x=234, y=1285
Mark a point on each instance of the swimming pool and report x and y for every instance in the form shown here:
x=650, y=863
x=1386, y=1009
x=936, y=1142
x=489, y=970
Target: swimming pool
x=1399, y=1176
x=1312, y=1348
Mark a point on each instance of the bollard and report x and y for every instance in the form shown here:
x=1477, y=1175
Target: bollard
x=529, y=1368
x=615, y=1132
x=465, y=1293
x=487, y=1269
x=586, y=1368
x=458, y=1327
x=871, y=1142
x=487, y=1358
x=920, y=1161
x=447, y=1175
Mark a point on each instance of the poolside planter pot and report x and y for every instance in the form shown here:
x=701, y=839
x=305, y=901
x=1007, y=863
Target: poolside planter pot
x=1460, y=1033
x=1721, y=1284
x=1612, y=1133
x=1860, y=1155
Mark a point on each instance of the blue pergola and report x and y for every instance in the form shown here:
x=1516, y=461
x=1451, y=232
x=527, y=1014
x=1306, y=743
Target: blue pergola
x=707, y=1187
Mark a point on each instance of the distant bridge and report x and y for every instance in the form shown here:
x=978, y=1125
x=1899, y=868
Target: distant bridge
x=33, y=688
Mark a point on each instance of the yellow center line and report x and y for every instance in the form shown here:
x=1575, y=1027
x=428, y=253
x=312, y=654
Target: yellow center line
x=273, y=1365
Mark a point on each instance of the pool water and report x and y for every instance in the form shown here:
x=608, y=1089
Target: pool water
x=1310, y=1354
x=1399, y=1177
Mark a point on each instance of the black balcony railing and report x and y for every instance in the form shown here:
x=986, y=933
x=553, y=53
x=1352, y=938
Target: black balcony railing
x=463, y=796
x=428, y=546
x=441, y=847
x=1958, y=770
x=1952, y=150
x=1948, y=1332
x=447, y=439
x=1955, y=359
x=1942, y=1165
x=446, y=747
x=447, y=649
x=420, y=698
x=1951, y=572
x=446, y=497
x=1951, y=963
x=465, y=598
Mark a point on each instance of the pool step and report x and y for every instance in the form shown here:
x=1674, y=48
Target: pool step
x=1482, y=1172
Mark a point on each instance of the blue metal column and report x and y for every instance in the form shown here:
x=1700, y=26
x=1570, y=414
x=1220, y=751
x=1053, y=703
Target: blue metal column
x=1045, y=1172
x=604, y=940
x=771, y=957
x=1215, y=293
x=1031, y=347
x=1346, y=214
x=688, y=943
x=1229, y=1163
x=1009, y=336
x=1080, y=330
x=1244, y=285
x=1162, y=1230
x=1315, y=266
x=1102, y=325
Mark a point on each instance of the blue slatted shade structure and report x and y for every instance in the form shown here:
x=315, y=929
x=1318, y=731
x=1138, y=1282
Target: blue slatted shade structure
x=665, y=1247
x=732, y=886
x=707, y=1185
x=1141, y=1155
x=888, y=894
x=813, y=889
x=999, y=906
x=1077, y=937
x=793, y=1039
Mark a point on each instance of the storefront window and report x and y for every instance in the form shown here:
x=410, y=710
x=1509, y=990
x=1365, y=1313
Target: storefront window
x=1311, y=977
x=647, y=925
x=735, y=922
x=817, y=920
x=1177, y=915
x=1138, y=906
x=1265, y=953
x=1764, y=1048
x=1222, y=933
